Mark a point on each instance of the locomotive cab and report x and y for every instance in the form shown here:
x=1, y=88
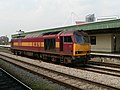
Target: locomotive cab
x=81, y=44
x=75, y=44
x=81, y=47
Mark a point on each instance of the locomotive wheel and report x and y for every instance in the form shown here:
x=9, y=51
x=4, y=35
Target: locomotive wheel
x=53, y=60
x=14, y=52
x=67, y=60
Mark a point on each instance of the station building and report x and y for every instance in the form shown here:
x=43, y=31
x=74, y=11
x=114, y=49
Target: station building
x=104, y=35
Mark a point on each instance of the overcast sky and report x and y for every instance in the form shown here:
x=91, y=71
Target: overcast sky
x=32, y=15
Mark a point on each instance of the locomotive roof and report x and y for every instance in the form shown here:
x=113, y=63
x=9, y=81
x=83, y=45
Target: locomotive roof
x=61, y=33
x=85, y=27
x=67, y=33
x=41, y=34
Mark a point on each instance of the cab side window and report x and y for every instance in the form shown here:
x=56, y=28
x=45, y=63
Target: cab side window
x=67, y=39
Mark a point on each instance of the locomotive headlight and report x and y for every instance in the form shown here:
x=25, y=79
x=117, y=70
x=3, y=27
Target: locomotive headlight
x=76, y=52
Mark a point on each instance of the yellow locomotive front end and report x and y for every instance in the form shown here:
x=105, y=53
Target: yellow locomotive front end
x=81, y=48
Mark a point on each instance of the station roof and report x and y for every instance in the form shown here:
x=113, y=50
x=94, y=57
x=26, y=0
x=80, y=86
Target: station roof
x=85, y=27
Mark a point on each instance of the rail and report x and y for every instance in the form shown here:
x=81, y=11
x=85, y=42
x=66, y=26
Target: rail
x=8, y=81
x=106, y=55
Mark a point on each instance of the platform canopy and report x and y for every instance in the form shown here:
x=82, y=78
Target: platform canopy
x=88, y=27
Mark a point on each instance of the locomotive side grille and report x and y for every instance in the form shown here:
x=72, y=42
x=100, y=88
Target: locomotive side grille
x=78, y=52
x=81, y=52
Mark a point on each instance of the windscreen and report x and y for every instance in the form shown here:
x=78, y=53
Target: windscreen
x=81, y=39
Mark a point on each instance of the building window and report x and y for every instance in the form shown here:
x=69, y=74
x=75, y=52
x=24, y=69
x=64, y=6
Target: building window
x=93, y=40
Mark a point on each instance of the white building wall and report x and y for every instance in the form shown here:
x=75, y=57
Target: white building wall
x=103, y=43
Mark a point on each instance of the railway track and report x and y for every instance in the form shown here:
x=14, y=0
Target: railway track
x=104, y=64
x=68, y=80
x=8, y=82
x=5, y=49
x=102, y=70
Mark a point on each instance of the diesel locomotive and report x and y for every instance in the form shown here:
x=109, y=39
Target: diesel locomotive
x=68, y=47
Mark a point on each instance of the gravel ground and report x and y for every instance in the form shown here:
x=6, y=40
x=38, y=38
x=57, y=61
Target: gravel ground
x=102, y=78
x=34, y=81
x=96, y=77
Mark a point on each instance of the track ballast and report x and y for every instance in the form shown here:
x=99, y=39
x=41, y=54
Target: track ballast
x=8, y=82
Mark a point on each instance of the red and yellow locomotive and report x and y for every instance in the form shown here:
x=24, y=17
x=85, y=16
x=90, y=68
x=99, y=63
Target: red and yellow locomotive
x=59, y=46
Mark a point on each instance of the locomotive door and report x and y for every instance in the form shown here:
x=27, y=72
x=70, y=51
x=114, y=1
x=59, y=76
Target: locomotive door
x=61, y=43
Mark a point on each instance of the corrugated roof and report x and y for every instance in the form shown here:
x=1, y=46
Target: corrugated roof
x=89, y=26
